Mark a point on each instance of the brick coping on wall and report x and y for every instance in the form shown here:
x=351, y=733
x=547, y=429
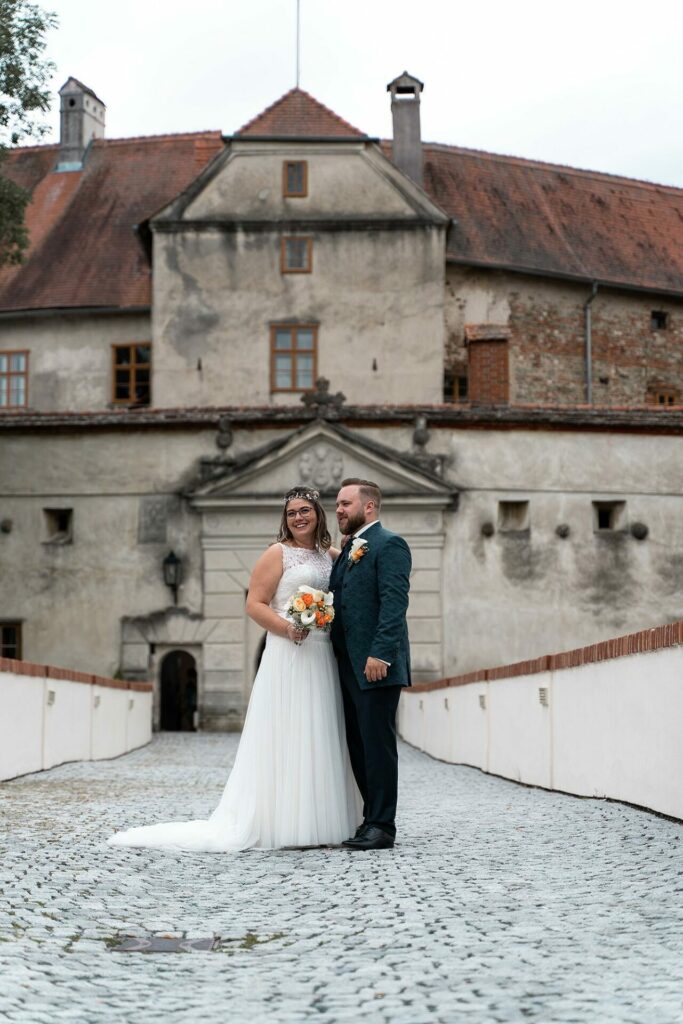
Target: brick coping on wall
x=29, y=668
x=645, y=640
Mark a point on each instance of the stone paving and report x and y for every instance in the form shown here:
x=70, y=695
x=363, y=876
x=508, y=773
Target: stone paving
x=500, y=903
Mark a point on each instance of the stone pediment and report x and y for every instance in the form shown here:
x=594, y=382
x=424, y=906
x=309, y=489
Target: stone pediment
x=321, y=455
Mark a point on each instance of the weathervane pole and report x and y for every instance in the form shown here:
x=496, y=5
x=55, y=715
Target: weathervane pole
x=298, y=40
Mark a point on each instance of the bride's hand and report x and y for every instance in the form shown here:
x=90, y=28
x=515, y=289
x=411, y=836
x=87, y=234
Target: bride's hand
x=296, y=633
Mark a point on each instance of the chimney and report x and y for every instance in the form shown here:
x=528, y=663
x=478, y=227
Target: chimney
x=405, y=111
x=81, y=119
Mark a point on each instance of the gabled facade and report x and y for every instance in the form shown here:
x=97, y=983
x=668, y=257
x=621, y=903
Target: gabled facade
x=203, y=321
x=289, y=259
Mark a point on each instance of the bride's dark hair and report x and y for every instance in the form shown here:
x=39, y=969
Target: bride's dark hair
x=322, y=534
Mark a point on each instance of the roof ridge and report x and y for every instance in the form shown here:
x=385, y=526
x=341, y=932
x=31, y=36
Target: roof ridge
x=297, y=91
x=120, y=140
x=583, y=172
x=28, y=149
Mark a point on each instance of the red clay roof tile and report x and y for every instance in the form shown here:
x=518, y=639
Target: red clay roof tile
x=297, y=113
x=510, y=212
x=83, y=246
x=550, y=219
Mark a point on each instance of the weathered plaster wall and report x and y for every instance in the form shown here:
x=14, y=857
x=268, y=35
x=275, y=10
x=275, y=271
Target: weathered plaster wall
x=517, y=596
x=123, y=489
x=505, y=597
x=377, y=293
x=377, y=297
x=70, y=357
x=344, y=179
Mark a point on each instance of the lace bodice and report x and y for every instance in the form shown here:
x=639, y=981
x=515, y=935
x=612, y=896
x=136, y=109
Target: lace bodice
x=301, y=567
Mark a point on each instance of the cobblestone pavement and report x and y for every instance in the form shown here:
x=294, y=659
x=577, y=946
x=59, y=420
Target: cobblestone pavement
x=500, y=903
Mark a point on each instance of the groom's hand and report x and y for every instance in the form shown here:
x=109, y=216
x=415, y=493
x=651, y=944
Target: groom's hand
x=375, y=670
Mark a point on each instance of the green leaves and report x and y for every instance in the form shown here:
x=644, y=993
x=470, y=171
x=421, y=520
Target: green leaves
x=24, y=98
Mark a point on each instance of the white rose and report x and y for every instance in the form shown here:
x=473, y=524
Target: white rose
x=329, y=598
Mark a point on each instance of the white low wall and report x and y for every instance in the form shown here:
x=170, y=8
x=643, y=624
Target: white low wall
x=48, y=718
x=606, y=728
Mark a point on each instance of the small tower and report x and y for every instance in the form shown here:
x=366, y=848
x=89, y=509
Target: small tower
x=81, y=120
x=405, y=111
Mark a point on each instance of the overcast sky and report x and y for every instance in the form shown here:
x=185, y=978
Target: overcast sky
x=591, y=83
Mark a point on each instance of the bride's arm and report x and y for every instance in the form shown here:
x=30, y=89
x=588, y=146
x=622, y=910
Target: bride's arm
x=262, y=585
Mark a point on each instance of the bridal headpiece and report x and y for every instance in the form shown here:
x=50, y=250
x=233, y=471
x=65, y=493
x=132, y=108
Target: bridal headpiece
x=302, y=493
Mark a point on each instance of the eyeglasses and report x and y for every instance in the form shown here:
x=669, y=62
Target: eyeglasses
x=305, y=512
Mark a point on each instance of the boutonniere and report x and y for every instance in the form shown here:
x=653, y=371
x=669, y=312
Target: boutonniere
x=359, y=547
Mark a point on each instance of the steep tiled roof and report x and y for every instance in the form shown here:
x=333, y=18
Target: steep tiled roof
x=509, y=212
x=83, y=246
x=549, y=219
x=298, y=114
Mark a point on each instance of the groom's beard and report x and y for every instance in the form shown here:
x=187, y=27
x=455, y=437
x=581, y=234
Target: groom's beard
x=351, y=524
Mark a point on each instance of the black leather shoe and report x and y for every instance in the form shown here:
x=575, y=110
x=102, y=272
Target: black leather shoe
x=371, y=838
x=360, y=831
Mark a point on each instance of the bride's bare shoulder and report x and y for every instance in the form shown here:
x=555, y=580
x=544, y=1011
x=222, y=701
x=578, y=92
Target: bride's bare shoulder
x=272, y=556
x=334, y=553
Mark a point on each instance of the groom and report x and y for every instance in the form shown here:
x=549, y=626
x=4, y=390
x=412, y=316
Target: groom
x=370, y=580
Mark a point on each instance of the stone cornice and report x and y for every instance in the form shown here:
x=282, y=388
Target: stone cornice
x=274, y=225
x=455, y=417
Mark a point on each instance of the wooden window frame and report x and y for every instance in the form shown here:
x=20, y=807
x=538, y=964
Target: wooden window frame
x=14, y=624
x=663, y=398
x=293, y=352
x=284, y=269
x=9, y=352
x=132, y=367
x=285, y=191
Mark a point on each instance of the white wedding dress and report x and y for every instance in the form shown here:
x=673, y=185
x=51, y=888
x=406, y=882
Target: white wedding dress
x=291, y=783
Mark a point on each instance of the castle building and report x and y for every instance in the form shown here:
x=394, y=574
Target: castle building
x=204, y=320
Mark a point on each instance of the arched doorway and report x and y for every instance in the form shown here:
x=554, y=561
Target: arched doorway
x=178, y=692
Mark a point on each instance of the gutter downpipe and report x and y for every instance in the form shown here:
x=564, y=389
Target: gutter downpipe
x=588, y=337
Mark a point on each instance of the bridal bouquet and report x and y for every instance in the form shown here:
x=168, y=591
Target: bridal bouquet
x=311, y=609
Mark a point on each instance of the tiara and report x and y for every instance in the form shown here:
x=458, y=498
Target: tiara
x=298, y=492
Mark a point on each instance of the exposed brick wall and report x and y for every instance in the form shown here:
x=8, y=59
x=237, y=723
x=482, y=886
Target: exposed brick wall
x=632, y=643
x=30, y=668
x=632, y=361
x=488, y=371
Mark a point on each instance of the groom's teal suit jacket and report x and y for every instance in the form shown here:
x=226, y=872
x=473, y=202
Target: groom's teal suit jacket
x=370, y=602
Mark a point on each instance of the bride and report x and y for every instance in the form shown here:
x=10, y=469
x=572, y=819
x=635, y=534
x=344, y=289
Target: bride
x=291, y=783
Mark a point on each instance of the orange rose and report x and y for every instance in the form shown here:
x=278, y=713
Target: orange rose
x=307, y=599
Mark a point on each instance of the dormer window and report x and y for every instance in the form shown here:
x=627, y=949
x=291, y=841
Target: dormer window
x=295, y=179
x=296, y=255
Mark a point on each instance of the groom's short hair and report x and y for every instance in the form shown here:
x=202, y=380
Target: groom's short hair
x=369, y=491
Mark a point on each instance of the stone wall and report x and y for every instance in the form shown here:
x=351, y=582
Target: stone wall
x=632, y=362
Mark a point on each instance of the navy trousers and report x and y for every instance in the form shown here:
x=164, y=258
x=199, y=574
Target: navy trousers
x=370, y=717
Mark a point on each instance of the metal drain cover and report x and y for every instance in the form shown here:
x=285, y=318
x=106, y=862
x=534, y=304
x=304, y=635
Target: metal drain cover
x=163, y=944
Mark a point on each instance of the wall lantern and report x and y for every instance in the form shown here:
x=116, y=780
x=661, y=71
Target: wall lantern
x=173, y=573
